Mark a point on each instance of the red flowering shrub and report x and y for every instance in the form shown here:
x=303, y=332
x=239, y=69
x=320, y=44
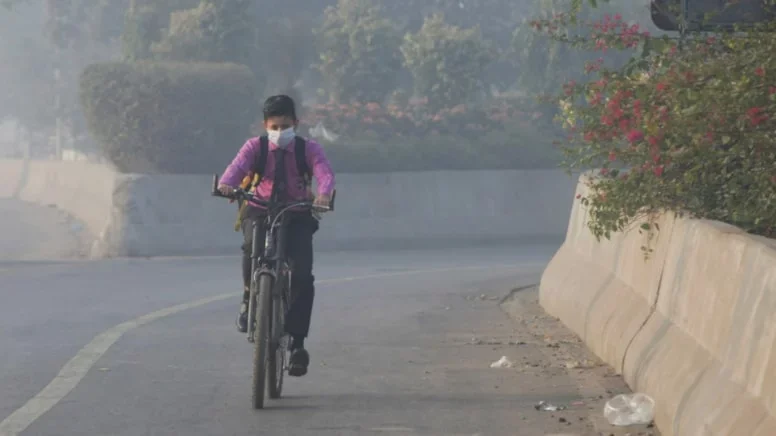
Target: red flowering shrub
x=503, y=134
x=690, y=129
x=418, y=120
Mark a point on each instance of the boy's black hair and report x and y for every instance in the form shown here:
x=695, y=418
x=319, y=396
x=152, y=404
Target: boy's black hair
x=279, y=106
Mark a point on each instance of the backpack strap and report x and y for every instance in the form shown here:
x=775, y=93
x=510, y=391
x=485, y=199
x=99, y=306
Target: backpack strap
x=300, y=151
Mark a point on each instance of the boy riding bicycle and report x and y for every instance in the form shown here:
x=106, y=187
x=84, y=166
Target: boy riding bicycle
x=285, y=157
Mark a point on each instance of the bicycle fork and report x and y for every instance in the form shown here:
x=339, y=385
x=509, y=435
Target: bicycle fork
x=281, y=270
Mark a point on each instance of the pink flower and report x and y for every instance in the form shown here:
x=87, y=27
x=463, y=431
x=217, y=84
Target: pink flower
x=635, y=135
x=592, y=67
x=568, y=88
x=760, y=71
x=614, y=108
x=756, y=116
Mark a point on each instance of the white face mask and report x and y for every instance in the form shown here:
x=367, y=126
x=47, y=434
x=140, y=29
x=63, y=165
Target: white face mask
x=282, y=138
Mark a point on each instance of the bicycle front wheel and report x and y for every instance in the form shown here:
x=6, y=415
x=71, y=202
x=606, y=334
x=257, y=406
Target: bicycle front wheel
x=261, y=339
x=276, y=364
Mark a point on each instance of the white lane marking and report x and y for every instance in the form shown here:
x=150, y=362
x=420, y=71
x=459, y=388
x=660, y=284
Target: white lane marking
x=75, y=370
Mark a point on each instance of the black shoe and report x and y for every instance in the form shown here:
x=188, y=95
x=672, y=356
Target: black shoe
x=297, y=364
x=242, y=318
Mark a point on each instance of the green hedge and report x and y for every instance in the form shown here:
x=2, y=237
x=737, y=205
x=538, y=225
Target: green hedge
x=511, y=149
x=173, y=118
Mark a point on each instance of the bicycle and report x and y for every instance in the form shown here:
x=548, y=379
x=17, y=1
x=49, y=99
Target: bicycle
x=269, y=293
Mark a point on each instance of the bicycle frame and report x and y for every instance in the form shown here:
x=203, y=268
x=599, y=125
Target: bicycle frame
x=272, y=259
x=270, y=291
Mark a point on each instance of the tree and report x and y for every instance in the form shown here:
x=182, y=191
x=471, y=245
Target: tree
x=26, y=82
x=447, y=62
x=145, y=23
x=192, y=35
x=213, y=31
x=10, y=4
x=359, y=57
x=79, y=32
x=142, y=27
x=543, y=63
x=291, y=55
x=45, y=51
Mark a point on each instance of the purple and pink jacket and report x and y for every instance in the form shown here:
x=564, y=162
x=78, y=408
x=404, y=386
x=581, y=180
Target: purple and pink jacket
x=316, y=161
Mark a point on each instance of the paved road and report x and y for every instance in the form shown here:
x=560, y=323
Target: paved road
x=391, y=349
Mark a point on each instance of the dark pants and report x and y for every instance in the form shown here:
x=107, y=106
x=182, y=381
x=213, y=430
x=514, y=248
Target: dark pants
x=299, y=248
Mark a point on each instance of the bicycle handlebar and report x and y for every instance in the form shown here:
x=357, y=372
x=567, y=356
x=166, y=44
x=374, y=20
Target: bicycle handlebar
x=241, y=194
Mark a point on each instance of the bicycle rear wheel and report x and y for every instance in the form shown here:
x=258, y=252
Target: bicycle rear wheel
x=261, y=338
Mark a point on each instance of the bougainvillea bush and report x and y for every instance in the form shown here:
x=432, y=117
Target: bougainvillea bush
x=687, y=127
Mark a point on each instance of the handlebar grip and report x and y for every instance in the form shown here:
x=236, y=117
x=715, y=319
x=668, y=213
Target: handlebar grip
x=214, y=191
x=333, y=196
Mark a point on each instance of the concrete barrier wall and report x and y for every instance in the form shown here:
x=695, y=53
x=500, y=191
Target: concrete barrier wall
x=421, y=208
x=694, y=326
x=603, y=291
x=82, y=189
x=154, y=215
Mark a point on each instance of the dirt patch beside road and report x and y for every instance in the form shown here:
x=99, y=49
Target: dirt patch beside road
x=564, y=352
